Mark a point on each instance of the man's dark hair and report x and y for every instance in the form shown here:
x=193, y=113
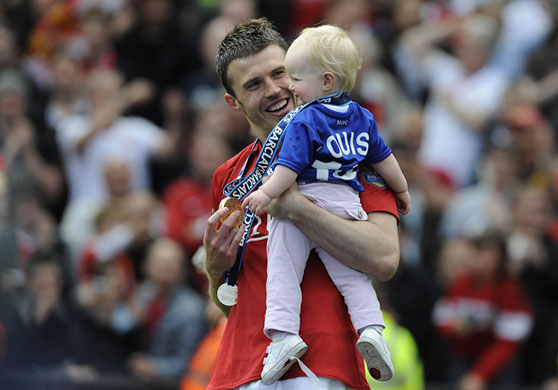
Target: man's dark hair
x=245, y=39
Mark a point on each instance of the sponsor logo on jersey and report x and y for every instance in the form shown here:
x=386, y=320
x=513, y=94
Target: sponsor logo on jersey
x=370, y=176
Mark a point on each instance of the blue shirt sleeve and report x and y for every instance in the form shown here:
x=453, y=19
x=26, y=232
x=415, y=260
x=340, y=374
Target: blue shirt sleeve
x=297, y=150
x=378, y=149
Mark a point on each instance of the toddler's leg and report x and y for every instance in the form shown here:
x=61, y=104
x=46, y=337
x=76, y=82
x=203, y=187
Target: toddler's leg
x=357, y=290
x=364, y=308
x=287, y=250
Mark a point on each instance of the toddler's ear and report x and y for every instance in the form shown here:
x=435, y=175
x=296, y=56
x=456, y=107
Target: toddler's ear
x=329, y=80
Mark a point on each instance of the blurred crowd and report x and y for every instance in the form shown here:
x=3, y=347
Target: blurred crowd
x=112, y=122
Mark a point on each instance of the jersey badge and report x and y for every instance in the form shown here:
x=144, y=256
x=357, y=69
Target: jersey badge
x=370, y=176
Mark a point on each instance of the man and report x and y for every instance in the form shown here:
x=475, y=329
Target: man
x=250, y=62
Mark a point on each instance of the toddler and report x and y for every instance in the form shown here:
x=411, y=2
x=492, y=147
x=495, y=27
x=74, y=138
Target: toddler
x=322, y=148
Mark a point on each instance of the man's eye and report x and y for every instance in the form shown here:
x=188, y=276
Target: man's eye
x=253, y=85
x=279, y=73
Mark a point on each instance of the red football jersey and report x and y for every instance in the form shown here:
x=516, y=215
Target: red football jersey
x=325, y=324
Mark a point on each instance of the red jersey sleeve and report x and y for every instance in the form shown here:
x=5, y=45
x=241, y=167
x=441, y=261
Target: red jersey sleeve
x=377, y=196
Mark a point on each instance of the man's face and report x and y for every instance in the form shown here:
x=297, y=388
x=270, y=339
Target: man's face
x=261, y=85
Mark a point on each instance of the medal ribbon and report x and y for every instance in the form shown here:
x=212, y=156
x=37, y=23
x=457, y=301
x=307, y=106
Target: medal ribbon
x=242, y=186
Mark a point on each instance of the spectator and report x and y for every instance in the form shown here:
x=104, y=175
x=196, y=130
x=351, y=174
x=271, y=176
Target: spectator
x=157, y=49
x=107, y=319
x=410, y=298
x=485, y=317
x=539, y=83
x=533, y=248
x=9, y=51
x=27, y=170
x=96, y=29
x=87, y=142
x=77, y=227
x=532, y=140
x=55, y=25
x=465, y=93
x=173, y=315
x=376, y=88
x=67, y=94
x=524, y=26
x=39, y=323
x=146, y=221
x=487, y=204
x=203, y=88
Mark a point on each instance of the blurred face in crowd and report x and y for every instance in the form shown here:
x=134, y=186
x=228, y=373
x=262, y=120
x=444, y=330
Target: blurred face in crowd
x=207, y=152
x=103, y=85
x=8, y=52
x=499, y=168
x=117, y=177
x=472, y=42
x=532, y=210
x=96, y=29
x=485, y=261
x=165, y=264
x=12, y=105
x=213, y=34
x=406, y=13
x=261, y=85
x=45, y=282
x=238, y=10
x=67, y=74
x=156, y=12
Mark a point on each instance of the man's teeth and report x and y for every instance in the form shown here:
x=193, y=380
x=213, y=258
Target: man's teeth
x=278, y=106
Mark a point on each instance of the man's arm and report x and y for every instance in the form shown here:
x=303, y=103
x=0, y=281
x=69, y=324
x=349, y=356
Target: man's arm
x=369, y=246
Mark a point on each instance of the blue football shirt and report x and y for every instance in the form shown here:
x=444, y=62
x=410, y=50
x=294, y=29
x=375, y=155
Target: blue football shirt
x=327, y=143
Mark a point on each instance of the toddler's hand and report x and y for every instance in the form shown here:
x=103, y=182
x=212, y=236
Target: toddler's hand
x=257, y=201
x=403, y=200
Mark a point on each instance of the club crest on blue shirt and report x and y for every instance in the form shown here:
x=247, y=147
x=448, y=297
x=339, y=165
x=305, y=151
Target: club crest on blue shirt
x=370, y=176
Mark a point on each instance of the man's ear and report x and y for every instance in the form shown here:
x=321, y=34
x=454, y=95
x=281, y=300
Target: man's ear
x=232, y=102
x=329, y=80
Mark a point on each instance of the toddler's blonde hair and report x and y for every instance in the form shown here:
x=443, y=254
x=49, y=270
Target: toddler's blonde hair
x=331, y=49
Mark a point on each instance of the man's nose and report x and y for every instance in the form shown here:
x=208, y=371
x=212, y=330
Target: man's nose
x=271, y=87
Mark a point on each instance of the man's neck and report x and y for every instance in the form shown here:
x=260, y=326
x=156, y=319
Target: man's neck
x=260, y=133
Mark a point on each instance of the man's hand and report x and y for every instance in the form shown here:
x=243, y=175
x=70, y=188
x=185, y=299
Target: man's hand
x=221, y=243
x=286, y=203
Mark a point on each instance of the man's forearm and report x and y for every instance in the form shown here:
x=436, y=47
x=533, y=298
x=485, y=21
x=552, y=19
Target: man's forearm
x=213, y=287
x=369, y=246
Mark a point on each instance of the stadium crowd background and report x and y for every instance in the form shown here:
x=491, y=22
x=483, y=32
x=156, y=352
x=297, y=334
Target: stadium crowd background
x=112, y=122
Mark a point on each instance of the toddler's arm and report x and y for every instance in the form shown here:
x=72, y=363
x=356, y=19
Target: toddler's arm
x=391, y=172
x=279, y=182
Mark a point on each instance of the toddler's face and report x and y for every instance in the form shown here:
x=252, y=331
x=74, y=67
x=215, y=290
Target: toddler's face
x=306, y=80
